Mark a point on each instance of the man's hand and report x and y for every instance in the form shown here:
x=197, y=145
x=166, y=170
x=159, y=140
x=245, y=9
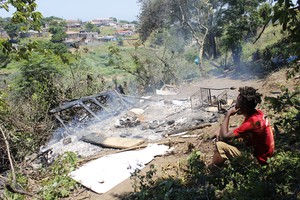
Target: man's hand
x=224, y=131
x=216, y=136
x=232, y=111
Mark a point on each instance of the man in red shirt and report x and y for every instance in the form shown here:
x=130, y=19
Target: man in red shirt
x=255, y=130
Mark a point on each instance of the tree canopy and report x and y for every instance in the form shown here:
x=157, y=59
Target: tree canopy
x=231, y=23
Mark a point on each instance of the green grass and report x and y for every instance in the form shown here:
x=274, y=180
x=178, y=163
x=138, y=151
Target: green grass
x=107, y=30
x=270, y=36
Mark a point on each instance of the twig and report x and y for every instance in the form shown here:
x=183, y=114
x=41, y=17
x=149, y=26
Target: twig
x=264, y=27
x=14, y=181
x=188, y=129
x=14, y=190
x=9, y=157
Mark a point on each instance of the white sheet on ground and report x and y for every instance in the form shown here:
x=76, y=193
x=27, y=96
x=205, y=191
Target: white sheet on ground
x=104, y=173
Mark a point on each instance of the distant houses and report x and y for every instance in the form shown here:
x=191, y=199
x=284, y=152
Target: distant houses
x=76, y=33
x=73, y=23
x=124, y=32
x=103, y=22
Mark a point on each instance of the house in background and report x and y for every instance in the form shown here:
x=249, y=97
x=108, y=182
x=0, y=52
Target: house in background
x=72, y=35
x=80, y=37
x=107, y=38
x=128, y=26
x=103, y=21
x=124, y=33
x=73, y=23
x=88, y=36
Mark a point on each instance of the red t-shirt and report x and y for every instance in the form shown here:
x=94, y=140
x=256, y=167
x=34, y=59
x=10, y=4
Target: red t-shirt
x=257, y=132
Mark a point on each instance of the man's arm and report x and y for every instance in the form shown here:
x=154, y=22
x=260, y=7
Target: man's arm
x=224, y=131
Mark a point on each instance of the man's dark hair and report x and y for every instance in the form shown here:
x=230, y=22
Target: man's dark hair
x=249, y=97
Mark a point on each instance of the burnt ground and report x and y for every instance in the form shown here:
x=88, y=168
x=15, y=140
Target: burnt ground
x=167, y=164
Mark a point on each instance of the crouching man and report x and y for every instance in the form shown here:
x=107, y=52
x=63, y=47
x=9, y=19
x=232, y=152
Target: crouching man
x=255, y=130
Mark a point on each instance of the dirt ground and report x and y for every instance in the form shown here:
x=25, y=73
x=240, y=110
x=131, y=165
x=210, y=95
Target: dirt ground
x=183, y=146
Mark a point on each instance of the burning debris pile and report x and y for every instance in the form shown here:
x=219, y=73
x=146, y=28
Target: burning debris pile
x=125, y=118
x=127, y=122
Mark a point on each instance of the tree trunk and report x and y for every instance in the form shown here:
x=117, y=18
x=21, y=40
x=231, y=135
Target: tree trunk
x=213, y=45
x=236, y=55
x=201, y=44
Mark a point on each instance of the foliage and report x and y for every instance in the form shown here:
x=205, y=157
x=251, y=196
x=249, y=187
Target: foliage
x=89, y=27
x=33, y=92
x=60, y=185
x=287, y=14
x=37, y=81
x=242, y=178
x=286, y=108
x=44, y=82
x=22, y=182
x=57, y=29
x=152, y=17
x=147, y=187
x=12, y=29
x=213, y=25
x=143, y=181
x=4, y=58
x=152, y=68
x=25, y=12
x=142, y=68
x=239, y=29
x=24, y=18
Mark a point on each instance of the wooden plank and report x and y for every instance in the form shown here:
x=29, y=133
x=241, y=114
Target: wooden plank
x=112, y=142
x=187, y=129
x=121, y=143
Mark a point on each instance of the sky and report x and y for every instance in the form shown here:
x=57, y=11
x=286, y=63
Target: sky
x=87, y=10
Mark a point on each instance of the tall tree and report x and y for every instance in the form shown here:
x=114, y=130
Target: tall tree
x=287, y=14
x=26, y=15
x=58, y=31
x=89, y=27
x=189, y=15
x=239, y=20
x=233, y=20
x=25, y=12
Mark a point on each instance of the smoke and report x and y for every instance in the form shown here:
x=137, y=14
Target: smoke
x=84, y=112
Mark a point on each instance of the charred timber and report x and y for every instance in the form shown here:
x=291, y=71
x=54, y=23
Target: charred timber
x=79, y=101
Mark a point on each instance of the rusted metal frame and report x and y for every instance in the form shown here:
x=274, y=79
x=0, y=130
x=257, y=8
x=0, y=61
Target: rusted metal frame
x=121, y=99
x=195, y=94
x=62, y=122
x=89, y=110
x=209, y=97
x=99, y=104
x=77, y=102
x=81, y=101
x=219, y=97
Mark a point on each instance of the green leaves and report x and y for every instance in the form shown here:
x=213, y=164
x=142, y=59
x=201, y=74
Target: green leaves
x=24, y=18
x=60, y=185
x=286, y=13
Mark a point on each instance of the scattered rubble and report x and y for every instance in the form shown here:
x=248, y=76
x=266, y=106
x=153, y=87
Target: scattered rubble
x=147, y=118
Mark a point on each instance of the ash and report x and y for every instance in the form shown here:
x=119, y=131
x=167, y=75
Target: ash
x=150, y=119
x=158, y=117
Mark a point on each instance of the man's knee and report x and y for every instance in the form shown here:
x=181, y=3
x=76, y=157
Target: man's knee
x=227, y=151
